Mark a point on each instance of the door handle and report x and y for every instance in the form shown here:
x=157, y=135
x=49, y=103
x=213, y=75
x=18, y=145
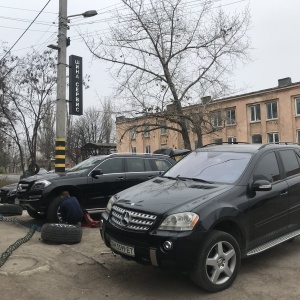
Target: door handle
x=283, y=193
x=150, y=177
x=119, y=178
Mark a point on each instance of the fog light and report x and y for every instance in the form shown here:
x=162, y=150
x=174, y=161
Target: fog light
x=167, y=245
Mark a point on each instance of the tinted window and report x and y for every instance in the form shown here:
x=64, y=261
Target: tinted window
x=162, y=165
x=112, y=165
x=86, y=164
x=137, y=165
x=267, y=168
x=225, y=167
x=290, y=162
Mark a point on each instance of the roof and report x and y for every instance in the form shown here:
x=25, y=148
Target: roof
x=245, y=147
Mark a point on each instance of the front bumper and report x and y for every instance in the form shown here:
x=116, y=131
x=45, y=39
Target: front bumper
x=150, y=247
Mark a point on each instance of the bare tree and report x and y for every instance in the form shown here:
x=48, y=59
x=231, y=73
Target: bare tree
x=169, y=52
x=26, y=101
x=46, y=136
x=95, y=126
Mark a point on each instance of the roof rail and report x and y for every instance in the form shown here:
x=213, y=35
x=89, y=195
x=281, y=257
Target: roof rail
x=278, y=143
x=228, y=143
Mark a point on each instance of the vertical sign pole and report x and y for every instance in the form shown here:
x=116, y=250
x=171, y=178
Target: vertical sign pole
x=60, y=143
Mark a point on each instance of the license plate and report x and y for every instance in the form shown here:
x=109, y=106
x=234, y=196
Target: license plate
x=17, y=201
x=125, y=249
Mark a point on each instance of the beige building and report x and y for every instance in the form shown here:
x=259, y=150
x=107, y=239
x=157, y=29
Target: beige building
x=270, y=115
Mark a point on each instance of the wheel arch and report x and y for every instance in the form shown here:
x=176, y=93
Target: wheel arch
x=73, y=190
x=233, y=228
x=228, y=219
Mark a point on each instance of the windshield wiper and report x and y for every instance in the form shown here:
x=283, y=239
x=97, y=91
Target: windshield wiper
x=194, y=179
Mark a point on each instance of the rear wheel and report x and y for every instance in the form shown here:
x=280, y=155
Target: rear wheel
x=36, y=215
x=53, y=214
x=218, y=262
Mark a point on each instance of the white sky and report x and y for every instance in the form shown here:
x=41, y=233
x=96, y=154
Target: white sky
x=275, y=36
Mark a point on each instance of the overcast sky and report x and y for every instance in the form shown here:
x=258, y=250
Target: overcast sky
x=274, y=34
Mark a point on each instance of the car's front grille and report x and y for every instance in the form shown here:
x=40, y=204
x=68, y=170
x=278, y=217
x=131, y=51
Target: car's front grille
x=131, y=219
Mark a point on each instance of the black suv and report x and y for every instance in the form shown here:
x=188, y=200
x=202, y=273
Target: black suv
x=93, y=182
x=217, y=205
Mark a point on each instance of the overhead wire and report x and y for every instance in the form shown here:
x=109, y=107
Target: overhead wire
x=103, y=30
x=25, y=31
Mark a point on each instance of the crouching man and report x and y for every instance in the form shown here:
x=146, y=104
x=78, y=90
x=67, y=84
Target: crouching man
x=70, y=209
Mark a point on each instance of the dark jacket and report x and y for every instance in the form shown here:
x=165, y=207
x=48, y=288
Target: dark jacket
x=71, y=211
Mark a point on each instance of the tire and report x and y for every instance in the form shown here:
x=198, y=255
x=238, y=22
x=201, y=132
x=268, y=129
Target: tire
x=53, y=210
x=36, y=215
x=11, y=210
x=61, y=233
x=218, y=262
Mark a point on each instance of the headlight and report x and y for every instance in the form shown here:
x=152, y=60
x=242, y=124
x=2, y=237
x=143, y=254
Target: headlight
x=110, y=203
x=180, y=222
x=12, y=192
x=40, y=184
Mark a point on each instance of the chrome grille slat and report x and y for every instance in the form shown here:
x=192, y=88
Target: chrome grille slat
x=137, y=221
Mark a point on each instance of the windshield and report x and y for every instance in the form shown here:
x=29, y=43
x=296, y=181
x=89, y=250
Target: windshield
x=223, y=167
x=86, y=164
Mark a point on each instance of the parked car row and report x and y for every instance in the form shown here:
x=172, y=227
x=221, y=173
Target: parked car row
x=201, y=215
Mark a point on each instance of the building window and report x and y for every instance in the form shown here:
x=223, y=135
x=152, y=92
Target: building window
x=256, y=139
x=188, y=124
x=217, y=119
x=272, y=110
x=218, y=141
x=147, y=149
x=133, y=149
x=298, y=136
x=163, y=131
x=255, y=113
x=231, y=140
x=297, y=106
x=146, y=131
x=230, y=116
x=163, y=146
x=133, y=133
x=273, y=137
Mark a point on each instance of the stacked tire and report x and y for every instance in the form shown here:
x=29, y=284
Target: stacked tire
x=11, y=210
x=59, y=233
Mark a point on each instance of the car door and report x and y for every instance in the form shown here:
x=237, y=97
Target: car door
x=268, y=210
x=98, y=190
x=290, y=161
x=138, y=170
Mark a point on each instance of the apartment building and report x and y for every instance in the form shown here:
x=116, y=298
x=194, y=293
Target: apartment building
x=265, y=116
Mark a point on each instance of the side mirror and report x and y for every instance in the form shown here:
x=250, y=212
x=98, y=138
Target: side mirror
x=261, y=185
x=95, y=173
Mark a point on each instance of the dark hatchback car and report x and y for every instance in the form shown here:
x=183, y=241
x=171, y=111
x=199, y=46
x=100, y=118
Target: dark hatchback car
x=217, y=205
x=93, y=182
x=8, y=193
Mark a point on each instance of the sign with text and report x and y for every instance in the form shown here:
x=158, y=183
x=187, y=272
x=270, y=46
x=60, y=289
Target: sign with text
x=75, y=85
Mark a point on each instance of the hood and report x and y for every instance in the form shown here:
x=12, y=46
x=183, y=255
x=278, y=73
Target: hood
x=50, y=176
x=161, y=195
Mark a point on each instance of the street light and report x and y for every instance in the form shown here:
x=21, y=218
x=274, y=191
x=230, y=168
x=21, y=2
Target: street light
x=60, y=142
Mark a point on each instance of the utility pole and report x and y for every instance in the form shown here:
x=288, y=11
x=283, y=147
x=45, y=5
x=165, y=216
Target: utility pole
x=60, y=143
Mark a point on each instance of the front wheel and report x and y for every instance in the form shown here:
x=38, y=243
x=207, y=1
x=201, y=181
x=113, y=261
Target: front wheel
x=218, y=262
x=36, y=215
x=53, y=214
